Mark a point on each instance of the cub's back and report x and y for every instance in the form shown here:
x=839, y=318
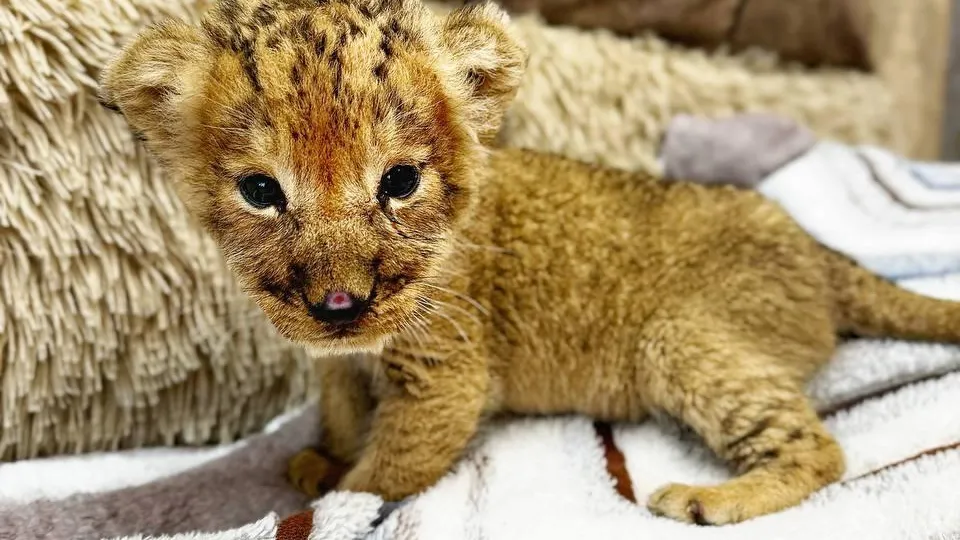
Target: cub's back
x=591, y=256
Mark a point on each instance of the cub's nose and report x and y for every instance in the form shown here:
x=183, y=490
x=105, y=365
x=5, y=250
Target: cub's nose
x=338, y=308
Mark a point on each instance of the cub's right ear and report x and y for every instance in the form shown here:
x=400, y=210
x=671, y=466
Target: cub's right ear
x=156, y=81
x=490, y=61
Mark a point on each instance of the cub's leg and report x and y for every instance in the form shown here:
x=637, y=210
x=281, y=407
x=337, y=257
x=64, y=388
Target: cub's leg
x=345, y=409
x=756, y=417
x=421, y=426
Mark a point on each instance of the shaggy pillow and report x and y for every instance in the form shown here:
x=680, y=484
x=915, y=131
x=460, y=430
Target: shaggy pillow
x=599, y=97
x=119, y=323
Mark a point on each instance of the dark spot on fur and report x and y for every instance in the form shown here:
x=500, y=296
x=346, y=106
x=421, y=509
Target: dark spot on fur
x=385, y=47
x=242, y=45
x=215, y=222
x=791, y=465
x=364, y=10
x=298, y=277
x=822, y=475
x=303, y=29
x=276, y=290
x=375, y=264
x=236, y=39
x=230, y=9
x=296, y=225
x=398, y=32
x=395, y=28
x=337, y=82
x=795, y=435
x=417, y=266
x=109, y=105
x=770, y=455
x=296, y=75
x=342, y=41
x=320, y=45
x=337, y=68
x=265, y=117
x=217, y=34
x=380, y=72
x=475, y=79
x=273, y=42
x=264, y=15
x=353, y=29
x=757, y=429
x=250, y=68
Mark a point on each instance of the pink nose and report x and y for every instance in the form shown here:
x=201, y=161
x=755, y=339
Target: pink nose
x=337, y=300
x=338, y=308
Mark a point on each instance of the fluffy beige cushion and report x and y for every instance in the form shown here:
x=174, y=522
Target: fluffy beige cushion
x=119, y=324
x=598, y=97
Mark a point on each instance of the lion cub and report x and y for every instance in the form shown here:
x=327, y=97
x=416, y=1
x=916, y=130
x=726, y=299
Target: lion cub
x=339, y=152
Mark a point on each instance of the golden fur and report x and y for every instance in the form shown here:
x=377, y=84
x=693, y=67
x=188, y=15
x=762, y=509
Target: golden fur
x=510, y=282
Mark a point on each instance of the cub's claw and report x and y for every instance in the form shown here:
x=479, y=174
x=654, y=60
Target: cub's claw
x=719, y=505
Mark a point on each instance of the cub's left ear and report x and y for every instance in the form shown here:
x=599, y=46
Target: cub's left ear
x=489, y=61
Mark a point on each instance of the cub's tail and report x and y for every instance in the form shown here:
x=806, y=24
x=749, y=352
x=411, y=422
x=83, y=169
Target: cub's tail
x=870, y=306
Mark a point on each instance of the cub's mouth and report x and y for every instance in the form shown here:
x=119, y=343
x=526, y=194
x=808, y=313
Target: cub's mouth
x=341, y=321
x=339, y=310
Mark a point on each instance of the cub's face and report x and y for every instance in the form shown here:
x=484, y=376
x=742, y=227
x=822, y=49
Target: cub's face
x=331, y=148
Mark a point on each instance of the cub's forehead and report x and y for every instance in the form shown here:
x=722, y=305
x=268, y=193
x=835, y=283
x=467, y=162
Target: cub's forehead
x=296, y=45
x=323, y=75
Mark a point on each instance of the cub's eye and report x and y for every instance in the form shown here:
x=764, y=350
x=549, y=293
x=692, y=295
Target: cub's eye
x=400, y=182
x=261, y=191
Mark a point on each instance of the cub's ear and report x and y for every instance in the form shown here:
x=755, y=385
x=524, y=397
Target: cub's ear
x=155, y=81
x=489, y=61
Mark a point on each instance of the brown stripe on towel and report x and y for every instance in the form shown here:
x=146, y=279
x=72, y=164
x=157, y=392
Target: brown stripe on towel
x=851, y=403
x=915, y=457
x=616, y=461
x=296, y=527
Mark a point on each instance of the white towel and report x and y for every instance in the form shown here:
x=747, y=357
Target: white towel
x=838, y=194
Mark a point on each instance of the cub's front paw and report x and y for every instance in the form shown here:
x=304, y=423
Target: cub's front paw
x=718, y=505
x=313, y=473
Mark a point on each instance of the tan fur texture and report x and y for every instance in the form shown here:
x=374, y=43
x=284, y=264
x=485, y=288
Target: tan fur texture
x=509, y=282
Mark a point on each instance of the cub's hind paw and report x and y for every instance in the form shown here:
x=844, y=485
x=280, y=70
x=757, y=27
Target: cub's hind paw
x=719, y=505
x=313, y=473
